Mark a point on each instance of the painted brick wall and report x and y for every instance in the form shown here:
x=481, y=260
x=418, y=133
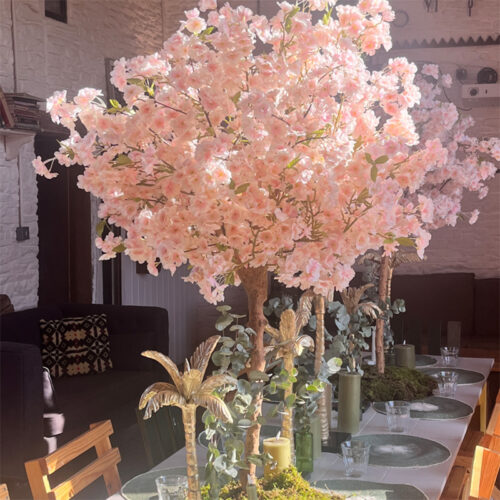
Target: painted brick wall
x=49, y=56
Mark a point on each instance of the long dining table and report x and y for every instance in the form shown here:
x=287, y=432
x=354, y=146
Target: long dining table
x=429, y=479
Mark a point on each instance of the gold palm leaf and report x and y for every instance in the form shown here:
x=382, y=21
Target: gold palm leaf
x=216, y=381
x=191, y=383
x=168, y=364
x=275, y=334
x=304, y=309
x=352, y=295
x=303, y=342
x=154, y=389
x=163, y=398
x=201, y=356
x=215, y=406
x=370, y=309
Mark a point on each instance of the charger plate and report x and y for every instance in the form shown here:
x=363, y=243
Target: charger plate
x=465, y=377
x=433, y=408
x=143, y=487
x=422, y=360
x=402, y=450
x=355, y=489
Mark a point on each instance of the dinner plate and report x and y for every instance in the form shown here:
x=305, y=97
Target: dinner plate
x=357, y=490
x=465, y=377
x=433, y=408
x=422, y=360
x=402, y=450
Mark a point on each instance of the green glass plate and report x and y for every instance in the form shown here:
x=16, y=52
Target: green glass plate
x=402, y=450
x=422, y=360
x=465, y=377
x=143, y=487
x=266, y=431
x=353, y=488
x=434, y=408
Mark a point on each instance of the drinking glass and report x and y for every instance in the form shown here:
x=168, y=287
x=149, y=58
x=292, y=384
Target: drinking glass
x=447, y=383
x=171, y=487
x=355, y=455
x=398, y=415
x=449, y=356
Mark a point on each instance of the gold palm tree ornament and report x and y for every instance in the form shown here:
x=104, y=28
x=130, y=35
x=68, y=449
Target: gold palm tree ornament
x=187, y=392
x=291, y=345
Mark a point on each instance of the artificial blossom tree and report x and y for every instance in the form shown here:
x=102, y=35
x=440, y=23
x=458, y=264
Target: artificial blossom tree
x=292, y=160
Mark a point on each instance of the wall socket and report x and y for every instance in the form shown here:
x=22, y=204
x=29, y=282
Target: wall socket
x=22, y=233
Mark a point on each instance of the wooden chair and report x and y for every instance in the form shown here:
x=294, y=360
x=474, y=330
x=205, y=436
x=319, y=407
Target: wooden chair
x=105, y=465
x=4, y=492
x=473, y=438
x=162, y=434
x=477, y=482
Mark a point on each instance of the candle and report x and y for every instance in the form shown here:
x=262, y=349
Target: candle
x=349, y=402
x=279, y=449
x=405, y=355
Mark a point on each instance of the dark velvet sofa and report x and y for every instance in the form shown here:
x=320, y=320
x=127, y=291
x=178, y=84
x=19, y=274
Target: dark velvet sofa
x=26, y=396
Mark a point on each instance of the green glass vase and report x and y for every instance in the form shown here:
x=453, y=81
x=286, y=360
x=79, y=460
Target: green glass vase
x=304, y=451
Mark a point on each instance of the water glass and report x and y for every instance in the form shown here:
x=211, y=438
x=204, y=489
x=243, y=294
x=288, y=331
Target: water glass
x=449, y=356
x=398, y=415
x=355, y=455
x=171, y=487
x=447, y=383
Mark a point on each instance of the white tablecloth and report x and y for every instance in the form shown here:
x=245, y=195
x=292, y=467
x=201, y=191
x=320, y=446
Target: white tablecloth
x=431, y=480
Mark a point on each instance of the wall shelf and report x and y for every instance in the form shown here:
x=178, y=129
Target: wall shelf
x=13, y=139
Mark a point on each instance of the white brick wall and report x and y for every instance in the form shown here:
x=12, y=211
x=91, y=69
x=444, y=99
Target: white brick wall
x=50, y=56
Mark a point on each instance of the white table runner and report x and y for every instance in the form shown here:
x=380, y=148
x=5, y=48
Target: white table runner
x=431, y=480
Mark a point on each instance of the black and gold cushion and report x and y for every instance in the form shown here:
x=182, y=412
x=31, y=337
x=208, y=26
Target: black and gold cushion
x=76, y=346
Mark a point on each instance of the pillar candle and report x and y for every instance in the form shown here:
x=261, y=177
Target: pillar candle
x=405, y=355
x=349, y=402
x=279, y=449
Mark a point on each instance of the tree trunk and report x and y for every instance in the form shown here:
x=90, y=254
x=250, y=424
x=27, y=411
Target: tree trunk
x=189, y=420
x=319, y=311
x=287, y=423
x=383, y=293
x=254, y=281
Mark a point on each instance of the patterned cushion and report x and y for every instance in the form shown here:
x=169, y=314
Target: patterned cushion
x=76, y=346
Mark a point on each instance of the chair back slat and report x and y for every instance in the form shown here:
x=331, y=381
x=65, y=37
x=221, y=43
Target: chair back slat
x=491, y=442
x=484, y=472
x=494, y=423
x=76, y=447
x=38, y=470
x=4, y=492
x=77, y=482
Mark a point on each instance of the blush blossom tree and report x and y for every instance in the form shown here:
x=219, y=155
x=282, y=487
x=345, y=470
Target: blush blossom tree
x=239, y=161
x=468, y=163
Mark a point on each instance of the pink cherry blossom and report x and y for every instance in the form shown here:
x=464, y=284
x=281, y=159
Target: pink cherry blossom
x=295, y=157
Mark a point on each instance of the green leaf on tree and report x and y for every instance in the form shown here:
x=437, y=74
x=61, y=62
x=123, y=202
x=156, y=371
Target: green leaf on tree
x=373, y=173
x=119, y=248
x=382, y=159
x=100, y=227
x=242, y=188
x=406, y=242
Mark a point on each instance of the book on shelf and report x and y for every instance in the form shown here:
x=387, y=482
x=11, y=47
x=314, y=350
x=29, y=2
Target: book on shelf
x=19, y=110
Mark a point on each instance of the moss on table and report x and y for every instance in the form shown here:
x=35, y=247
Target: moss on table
x=396, y=383
x=289, y=485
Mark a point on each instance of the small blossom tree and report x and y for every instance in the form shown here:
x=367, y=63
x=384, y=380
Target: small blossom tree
x=467, y=165
x=293, y=160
